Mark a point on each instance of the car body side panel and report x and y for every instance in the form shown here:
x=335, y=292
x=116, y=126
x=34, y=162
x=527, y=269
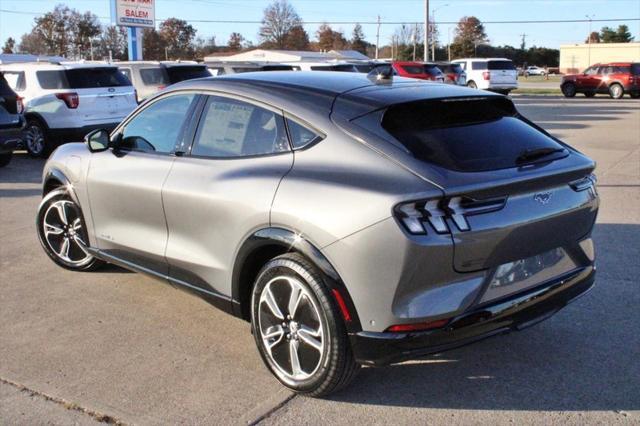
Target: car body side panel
x=210, y=204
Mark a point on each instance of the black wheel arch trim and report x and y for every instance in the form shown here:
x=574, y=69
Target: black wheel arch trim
x=292, y=242
x=37, y=116
x=55, y=174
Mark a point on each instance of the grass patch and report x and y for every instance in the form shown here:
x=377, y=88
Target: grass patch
x=539, y=79
x=540, y=91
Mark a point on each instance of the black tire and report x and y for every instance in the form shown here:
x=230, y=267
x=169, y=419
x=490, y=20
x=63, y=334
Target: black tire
x=616, y=91
x=472, y=84
x=589, y=94
x=36, y=138
x=335, y=366
x=5, y=158
x=568, y=90
x=73, y=230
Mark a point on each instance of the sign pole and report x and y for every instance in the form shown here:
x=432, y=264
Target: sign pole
x=134, y=39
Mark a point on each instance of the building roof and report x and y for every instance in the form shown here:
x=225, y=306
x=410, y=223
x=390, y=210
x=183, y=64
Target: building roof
x=8, y=58
x=264, y=55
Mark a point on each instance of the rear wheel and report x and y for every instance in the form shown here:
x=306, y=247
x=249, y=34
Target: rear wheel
x=472, y=84
x=568, y=90
x=616, y=91
x=62, y=232
x=5, y=158
x=298, y=329
x=35, y=138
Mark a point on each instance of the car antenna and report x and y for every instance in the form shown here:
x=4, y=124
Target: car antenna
x=381, y=75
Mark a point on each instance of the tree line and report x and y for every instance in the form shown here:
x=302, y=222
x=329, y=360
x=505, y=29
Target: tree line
x=67, y=32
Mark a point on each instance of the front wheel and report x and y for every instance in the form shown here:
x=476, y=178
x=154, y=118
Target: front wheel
x=62, y=232
x=568, y=90
x=616, y=91
x=472, y=84
x=298, y=329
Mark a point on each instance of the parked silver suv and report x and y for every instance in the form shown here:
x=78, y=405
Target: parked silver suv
x=352, y=219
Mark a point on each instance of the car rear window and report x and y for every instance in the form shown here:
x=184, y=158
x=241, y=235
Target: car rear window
x=82, y=78
x=182, y=73
x=432, y=69
x=342, y=68
x=413, y=69
x=467, y=135
x=501, y=65
x=154, y=76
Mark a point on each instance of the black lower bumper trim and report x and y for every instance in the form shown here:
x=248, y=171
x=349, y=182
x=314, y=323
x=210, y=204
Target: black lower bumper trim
x=515, y=313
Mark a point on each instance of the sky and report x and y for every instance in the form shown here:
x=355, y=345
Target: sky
x=546, y=35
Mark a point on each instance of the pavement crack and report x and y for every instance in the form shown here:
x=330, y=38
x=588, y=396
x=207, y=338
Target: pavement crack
x=69, y=405
x=272, y=410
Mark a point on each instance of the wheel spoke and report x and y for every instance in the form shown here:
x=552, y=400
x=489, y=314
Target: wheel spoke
x=294, y=299
x=308, y=336
x=64, y=249
x=62, y=213
x=295, y=359
x=52, y=230
x=271, y=303
x=76, y=225
x=80, y=244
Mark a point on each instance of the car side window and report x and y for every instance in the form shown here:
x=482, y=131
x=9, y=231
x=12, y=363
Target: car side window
x=477, y=65
x=591, y=71
x=15, y=79
x=301, y=135
x=231, y=128
x=157, y=127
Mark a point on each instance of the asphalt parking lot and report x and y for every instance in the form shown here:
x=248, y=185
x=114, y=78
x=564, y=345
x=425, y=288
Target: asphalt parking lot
x=76, y=348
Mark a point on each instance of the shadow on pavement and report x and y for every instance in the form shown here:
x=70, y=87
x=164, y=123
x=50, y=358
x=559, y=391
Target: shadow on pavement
x=584, y=358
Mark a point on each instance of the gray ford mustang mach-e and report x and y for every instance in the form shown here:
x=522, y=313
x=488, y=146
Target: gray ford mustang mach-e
x=352, y=219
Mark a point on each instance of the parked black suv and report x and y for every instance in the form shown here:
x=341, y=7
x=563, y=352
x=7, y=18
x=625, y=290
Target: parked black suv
x=11, y=121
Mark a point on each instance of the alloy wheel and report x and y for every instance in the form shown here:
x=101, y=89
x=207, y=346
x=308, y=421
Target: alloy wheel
x=291, y=328
x=34, y=138
x=62, y=230
x=616, y=91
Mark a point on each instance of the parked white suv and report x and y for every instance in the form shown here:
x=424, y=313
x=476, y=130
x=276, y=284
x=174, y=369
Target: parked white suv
x=64, y=101
x=495, y=74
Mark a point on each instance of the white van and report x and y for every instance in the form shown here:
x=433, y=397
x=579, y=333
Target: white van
x=495, y=74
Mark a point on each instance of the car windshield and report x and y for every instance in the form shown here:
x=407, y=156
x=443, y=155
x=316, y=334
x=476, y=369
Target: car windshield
x=468, y=135
x=82, y=78
x=500, y=65
x=181, y=73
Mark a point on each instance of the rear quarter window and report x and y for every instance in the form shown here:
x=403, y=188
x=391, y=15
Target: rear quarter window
x=15, y=80
x=478, y=65
x=53, y=79
x=467, y=135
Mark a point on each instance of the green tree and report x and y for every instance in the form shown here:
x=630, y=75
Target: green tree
x=470, y=34
x=178, y=36
x=297, y=39
x=9, y=45
x=623, y=35
x=330, y=39
x=358, y=43
x=235, y=41
x=153, y=46
x=279, y=19
x=113, y=43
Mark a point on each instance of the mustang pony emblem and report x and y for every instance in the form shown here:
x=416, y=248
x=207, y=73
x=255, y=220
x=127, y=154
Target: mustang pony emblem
x=542, y=197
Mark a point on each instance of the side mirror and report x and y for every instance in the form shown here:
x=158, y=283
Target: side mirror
x=97, y=140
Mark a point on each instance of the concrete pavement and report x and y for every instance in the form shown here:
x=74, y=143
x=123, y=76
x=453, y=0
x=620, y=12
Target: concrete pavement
x=77, y=348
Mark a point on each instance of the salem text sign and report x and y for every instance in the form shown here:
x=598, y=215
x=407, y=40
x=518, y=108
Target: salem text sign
x=135, y=13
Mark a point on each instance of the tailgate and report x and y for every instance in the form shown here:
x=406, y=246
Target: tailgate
x=106, y=104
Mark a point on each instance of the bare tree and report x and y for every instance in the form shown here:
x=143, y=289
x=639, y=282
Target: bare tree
x=279, y=19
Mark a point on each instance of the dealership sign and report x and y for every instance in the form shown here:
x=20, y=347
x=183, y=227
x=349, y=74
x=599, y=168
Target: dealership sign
x=135, y=13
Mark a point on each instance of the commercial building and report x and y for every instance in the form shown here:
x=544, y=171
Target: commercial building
x=576, y=57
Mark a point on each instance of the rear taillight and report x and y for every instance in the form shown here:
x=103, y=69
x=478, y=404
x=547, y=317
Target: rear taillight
x=19, y=105
x=418, y=326
x=440, y=214
x=486, y=75
x=71, y=99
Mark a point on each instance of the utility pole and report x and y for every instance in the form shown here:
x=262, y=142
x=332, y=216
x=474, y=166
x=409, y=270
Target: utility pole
x=522, y=45
x=426, y=31
x=415, y=41
x=378, y=37
x=589, y=17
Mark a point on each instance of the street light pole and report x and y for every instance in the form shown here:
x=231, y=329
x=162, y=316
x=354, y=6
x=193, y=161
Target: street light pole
x=433, y=36
x=589, y=17
x=426, y=31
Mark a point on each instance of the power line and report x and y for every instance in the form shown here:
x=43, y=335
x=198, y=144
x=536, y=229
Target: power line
x=232, y=21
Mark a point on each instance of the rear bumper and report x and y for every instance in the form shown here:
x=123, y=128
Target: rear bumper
x=77, y=134
x=514, y=313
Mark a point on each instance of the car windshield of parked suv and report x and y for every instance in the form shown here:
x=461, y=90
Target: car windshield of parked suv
x=468, y=135
x=181, y=73
x=500, y=65
x=82, y=78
